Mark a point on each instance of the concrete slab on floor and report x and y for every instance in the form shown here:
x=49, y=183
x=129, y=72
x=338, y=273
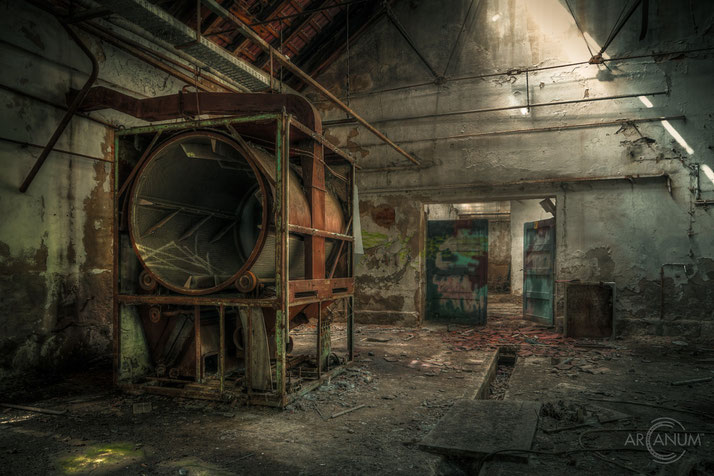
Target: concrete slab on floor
x=476, y=428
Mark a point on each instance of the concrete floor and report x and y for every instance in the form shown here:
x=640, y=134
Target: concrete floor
x=407, y=379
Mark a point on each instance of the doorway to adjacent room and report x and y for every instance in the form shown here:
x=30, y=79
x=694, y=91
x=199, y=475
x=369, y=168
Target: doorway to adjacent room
x=490, y=261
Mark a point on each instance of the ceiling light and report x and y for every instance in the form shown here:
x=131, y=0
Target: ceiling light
x=524, y=111
x=678, y=137
x=496, y=17
x=645, y=101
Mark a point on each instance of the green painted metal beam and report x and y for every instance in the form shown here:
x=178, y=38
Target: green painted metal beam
x=195, y=124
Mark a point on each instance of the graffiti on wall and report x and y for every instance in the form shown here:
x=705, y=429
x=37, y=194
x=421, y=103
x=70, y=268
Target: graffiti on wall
x=457, y=270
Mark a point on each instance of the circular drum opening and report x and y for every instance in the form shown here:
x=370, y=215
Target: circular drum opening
x=198, y=213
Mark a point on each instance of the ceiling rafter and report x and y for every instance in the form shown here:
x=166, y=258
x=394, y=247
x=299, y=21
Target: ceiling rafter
x=330, y=42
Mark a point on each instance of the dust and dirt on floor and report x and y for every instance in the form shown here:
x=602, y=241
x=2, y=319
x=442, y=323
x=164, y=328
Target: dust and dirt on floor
x=373, y=418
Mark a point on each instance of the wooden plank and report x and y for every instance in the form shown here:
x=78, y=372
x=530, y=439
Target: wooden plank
x=476, y=428
x=197, y=342
x=313, y=300
x=33, y=409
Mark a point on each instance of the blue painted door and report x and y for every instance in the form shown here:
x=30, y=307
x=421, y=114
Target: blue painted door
x=538, y=270
x=457, y=270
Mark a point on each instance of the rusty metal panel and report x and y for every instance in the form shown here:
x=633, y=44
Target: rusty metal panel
x=538, y=269
x=457, y=270
x=588, y=310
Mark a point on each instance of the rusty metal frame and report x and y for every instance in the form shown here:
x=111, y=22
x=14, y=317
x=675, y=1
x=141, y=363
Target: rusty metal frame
x=319, y=291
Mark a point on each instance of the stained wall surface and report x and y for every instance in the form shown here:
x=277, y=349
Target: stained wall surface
x=56, y=239
x=499, y=255
x=586, y=135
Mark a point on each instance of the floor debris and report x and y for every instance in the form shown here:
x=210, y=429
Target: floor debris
x=691, y=381
x=349, y=410
x=580, y=388
x=141, y=407
x=26, y=408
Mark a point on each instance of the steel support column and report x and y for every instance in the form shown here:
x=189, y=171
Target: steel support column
x=282, y=255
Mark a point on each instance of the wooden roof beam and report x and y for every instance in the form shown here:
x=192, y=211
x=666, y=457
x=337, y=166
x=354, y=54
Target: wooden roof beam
x=285, y=61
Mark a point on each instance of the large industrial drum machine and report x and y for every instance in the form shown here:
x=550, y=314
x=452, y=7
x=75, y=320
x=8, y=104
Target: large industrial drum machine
x=229, y=231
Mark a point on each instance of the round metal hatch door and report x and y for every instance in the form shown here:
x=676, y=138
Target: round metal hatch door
x=198, y=213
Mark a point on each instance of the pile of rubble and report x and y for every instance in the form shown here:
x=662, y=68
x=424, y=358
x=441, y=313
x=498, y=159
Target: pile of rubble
x=527, y=341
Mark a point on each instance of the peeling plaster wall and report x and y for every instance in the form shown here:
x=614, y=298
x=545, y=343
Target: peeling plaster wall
x=522, y=211
x=55, y=240
x=611, y=231
x=388, y=288
x=441, y=211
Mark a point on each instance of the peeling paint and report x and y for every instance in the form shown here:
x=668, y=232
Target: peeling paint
x=621, y=232
x=373, y=240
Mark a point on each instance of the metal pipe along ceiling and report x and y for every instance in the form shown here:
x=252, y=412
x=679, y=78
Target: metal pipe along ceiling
x=74, y=106
x=285, y=61
x=343, y=122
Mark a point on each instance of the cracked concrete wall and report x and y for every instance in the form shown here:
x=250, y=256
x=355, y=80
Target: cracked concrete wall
x=56, y=240
x=388, y=276
x=607, y=230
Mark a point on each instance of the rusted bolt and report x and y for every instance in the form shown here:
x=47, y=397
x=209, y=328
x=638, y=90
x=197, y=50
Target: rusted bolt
x=247, y=282
x=147, y=281
x=155, y=314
